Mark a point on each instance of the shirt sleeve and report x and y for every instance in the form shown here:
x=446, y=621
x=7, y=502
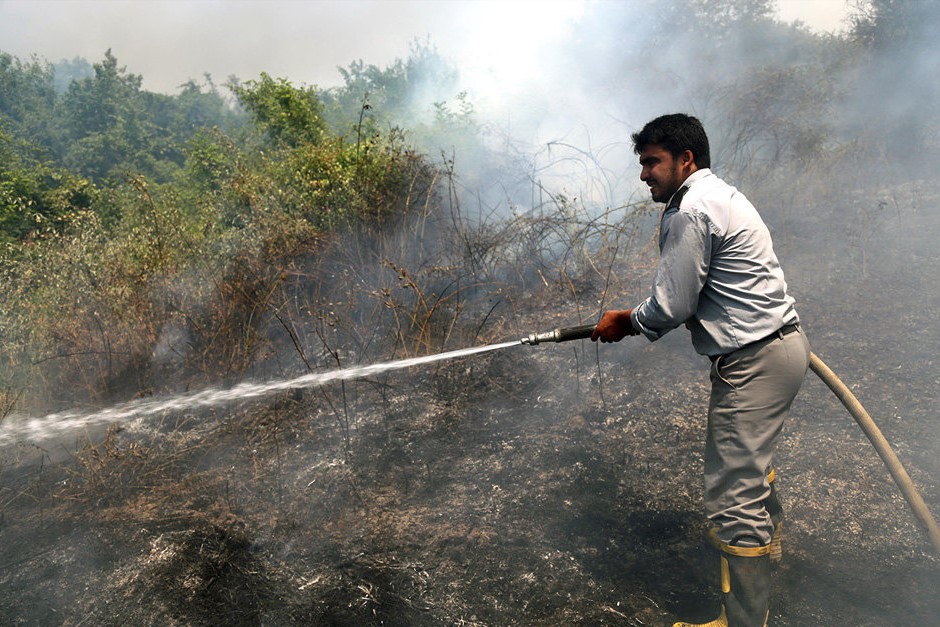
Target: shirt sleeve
x=680, y=275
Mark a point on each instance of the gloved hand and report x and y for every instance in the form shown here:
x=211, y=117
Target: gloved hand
x=614, y=326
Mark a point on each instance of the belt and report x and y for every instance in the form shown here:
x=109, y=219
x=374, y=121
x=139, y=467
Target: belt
x=786, y=329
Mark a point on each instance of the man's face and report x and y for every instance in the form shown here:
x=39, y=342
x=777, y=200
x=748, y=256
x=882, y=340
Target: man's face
x=664, y=173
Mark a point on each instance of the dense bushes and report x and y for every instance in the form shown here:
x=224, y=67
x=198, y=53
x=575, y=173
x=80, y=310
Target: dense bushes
x=150, y=238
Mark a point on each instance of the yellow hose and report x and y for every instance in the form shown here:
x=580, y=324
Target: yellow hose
x=881, y=445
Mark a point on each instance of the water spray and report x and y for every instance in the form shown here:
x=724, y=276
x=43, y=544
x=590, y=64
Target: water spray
x=16, y=427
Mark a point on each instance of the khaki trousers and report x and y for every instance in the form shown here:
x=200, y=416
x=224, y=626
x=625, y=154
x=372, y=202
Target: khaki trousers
x=752, y=390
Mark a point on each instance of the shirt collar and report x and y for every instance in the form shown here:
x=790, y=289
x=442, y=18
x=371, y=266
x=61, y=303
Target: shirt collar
x=696, y=176
x=676, y=198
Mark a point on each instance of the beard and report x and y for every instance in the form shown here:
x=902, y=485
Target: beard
x=662, y=193
x=662, y=188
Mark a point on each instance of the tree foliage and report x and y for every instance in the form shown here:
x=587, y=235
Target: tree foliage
x=419, y=95
x=290, y=115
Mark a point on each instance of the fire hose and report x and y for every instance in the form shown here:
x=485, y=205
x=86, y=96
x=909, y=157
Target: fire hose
x=848, y=400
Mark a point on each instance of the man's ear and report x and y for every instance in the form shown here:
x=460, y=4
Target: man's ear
x=687, y=160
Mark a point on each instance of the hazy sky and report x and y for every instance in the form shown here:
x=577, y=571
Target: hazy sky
x=171, y=41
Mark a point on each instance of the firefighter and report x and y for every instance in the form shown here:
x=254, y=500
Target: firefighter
x=719, y=276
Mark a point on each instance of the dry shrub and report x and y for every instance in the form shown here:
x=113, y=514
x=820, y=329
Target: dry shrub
x=204, y=574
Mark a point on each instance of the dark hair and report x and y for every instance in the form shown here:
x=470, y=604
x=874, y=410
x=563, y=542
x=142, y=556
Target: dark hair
x=676, y=133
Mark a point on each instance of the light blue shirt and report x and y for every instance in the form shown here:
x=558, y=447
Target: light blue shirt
x=717, y=271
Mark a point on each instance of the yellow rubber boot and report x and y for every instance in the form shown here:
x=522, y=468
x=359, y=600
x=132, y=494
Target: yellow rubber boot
x=745, y=588
x=721, y=621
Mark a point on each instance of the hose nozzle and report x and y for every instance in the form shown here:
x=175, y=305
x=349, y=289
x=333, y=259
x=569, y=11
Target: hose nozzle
x=565, y=334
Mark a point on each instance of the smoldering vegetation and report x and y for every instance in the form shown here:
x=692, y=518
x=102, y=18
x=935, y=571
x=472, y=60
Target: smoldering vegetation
x=156, y=245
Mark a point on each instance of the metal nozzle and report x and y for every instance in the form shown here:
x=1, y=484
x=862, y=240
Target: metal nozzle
x=538, y=338
x=560, y=335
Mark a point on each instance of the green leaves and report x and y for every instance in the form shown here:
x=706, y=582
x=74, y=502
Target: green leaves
x=37, y=198
x=292, y=116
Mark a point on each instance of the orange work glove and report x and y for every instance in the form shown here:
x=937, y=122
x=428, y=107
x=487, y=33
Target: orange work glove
x=614, y=326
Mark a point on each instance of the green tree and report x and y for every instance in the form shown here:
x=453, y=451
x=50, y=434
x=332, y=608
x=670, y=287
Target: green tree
x=403, y=94
x=106, y=122
x=27, y=100
x=290, y=115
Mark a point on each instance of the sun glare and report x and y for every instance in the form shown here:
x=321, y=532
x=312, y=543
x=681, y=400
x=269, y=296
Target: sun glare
x=506, y=44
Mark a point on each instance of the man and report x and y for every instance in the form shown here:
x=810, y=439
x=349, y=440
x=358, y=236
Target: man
x=719, y=276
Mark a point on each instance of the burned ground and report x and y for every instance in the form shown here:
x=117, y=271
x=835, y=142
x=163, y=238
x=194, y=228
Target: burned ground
x=548, y=485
